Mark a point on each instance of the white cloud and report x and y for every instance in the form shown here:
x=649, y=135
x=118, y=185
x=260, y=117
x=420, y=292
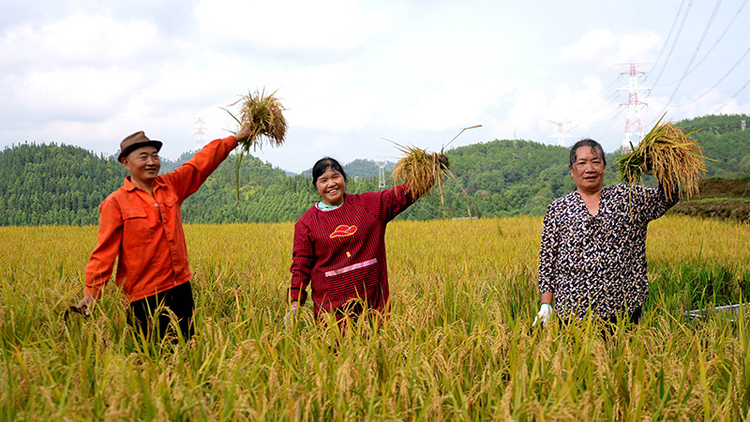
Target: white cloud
x=731, y=106
x=445, y=57
x=334, y=25
x=698, y=104
x=348, y=71
x=583, y=107
x=459, y=102
x=591, y=46
x=182, y=84
x=527, y=115
x=579, y=110
x=350, y=109
x=638, y=47
x=605, y=47
x=81, y=93
x=77, y=39
x=447, y=83
x=329, y=97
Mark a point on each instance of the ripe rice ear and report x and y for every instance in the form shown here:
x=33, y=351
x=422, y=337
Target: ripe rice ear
x=675, y=159
x=264, y=113
x=267, y=123
x=421, y=170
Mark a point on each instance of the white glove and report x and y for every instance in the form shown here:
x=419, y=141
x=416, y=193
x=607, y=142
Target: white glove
x=291, y=314
x=544, y=315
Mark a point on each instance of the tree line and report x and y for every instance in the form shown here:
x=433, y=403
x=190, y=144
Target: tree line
x=51, y=184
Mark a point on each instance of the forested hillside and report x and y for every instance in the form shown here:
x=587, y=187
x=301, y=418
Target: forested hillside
x=54, y=184
x=61, y=184
x=724, y=143
x=501, y=178
x=359, y=169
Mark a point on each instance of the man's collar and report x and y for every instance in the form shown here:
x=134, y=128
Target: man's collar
x=130, y=186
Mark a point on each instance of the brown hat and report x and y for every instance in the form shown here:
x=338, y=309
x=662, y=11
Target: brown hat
x=135, y=141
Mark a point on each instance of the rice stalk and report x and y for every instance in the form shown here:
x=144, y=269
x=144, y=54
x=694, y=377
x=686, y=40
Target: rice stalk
x=456, y=345
x=264, y=113
x=421, y=169
x=267, y=123
x=675, y=159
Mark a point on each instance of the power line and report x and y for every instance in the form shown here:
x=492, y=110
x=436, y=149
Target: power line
x=666, y=41
x=614, y=128
x=732, y=97
x=726, y=29
x=674, y=43
x=179, y=145
x=695, y=54
x=592, y=100
x=606, y=120
x=541, y=141
x=717, y=83
x=599, y=107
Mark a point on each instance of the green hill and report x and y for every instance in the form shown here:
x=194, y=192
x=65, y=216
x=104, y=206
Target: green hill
x=63, y=184
x=54, y=184
x=725, y=144
x=501, y=178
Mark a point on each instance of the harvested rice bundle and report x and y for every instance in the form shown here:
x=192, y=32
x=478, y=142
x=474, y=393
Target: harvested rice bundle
x=421, y=170
x=264, y=113
x=675, y=159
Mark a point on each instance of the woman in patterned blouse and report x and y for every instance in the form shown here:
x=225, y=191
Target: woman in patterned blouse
x=593, y=251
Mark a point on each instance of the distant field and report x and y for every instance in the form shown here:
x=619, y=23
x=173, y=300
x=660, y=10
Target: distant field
x=457, y=346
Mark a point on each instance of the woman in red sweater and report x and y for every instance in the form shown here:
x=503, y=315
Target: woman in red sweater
x=339, y=245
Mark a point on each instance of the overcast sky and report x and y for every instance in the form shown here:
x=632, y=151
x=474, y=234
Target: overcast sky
x=350, y=73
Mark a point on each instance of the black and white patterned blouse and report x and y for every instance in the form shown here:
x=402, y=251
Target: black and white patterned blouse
x=599, y=260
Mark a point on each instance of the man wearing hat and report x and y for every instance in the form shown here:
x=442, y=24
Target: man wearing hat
x=141, y=224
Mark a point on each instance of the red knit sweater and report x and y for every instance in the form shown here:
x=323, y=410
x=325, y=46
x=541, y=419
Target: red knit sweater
x=342, y=251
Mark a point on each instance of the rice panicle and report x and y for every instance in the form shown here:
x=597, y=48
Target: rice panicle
x=675, y=159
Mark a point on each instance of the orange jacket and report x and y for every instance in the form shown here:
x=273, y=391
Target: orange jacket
x=146, y=234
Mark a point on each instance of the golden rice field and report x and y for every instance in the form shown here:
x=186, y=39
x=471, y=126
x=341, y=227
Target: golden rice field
x=458, y=345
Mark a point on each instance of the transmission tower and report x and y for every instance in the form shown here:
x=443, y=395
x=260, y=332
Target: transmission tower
x=561, y=135
x=199, y=133
x=381, y=173
x=635, y=107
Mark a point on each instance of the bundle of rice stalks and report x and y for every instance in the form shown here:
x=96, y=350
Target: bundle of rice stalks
x=421, y=170
x=264, y=113
x=675, y=159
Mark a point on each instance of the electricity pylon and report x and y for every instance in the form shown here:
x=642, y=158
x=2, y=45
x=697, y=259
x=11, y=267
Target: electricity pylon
x=199, y=133
x=561, y=135
x=381, y=173
x=633, y=126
